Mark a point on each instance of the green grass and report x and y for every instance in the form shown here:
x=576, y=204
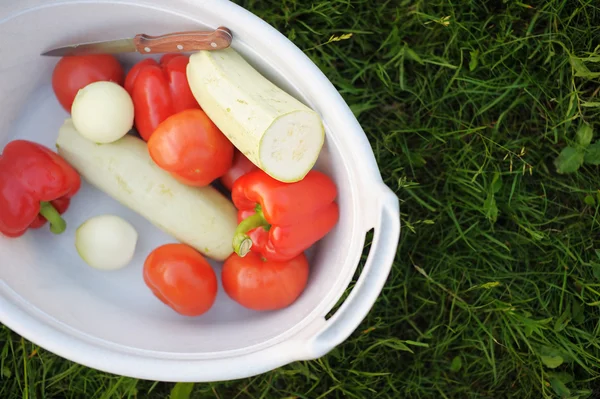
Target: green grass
x=495, y=292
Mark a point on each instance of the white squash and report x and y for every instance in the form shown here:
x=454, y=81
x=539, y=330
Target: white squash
x=200, y=217
x=277, y=133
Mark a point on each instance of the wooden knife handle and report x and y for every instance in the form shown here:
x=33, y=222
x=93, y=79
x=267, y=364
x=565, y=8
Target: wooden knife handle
x=178, y=42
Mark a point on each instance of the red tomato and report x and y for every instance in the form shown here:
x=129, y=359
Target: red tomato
x=259, y=284
x=191, y=147
x=240, y=166
x=73, y=73
x=181, y=277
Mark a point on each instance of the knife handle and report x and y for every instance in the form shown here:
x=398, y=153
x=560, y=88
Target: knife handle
x=178, y=42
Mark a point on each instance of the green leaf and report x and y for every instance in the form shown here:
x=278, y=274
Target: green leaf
x=596, y=271
x=592, y=58
x=417, y=160
x=569, y=160
x=496, y=183
x=292, y=35
x=552, y=361
x=394, y=343
x=562, y=322
x=561, y=375
x=578, y=312
x=182, y=390
x=486, y=286
x=581, y=70
x=490, y=208
x=358, y=109
x=582, y=394
x=548, y=351
x=572, y=109
x=584, y=135
x=531, y=326
x=590, y=104
x=592, y=154
x=560, y=388
x=456, y=364
x=474, y=60
x=410, y=53
x=579, y=67
x=589, y=200
x=523, y=4
x=415, y=343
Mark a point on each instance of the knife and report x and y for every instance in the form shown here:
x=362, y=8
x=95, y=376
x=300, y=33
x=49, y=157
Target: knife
x=217, y=39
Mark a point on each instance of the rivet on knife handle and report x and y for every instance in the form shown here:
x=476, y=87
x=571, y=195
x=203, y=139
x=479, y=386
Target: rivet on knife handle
x=183, y=41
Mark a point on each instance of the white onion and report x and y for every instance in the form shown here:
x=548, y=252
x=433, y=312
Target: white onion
x=103, y=112
x=106, y=242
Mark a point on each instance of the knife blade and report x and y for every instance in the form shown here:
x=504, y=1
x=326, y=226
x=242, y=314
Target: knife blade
x=177, y=42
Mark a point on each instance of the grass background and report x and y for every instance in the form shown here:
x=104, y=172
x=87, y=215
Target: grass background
x=496, y=287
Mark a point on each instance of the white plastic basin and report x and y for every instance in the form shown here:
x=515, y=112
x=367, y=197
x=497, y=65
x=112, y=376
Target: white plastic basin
x=110, y=320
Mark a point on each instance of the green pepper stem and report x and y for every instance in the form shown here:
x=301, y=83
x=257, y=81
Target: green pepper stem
x=57, y=223
x=241, y=242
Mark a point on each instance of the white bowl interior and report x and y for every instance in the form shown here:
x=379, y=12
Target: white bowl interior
x=43, y=273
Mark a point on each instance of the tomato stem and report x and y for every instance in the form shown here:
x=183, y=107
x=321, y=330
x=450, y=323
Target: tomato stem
x=241, y=242
x=49, y=212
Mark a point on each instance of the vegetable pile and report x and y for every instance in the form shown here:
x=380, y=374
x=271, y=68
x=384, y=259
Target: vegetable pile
x=205, y=148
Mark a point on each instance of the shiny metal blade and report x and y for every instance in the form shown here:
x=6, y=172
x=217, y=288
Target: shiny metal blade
x=106, y=47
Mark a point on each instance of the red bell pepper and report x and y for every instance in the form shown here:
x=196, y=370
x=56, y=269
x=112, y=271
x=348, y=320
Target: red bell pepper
x=281, y=220
x=36, y=186
x=159, y=90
